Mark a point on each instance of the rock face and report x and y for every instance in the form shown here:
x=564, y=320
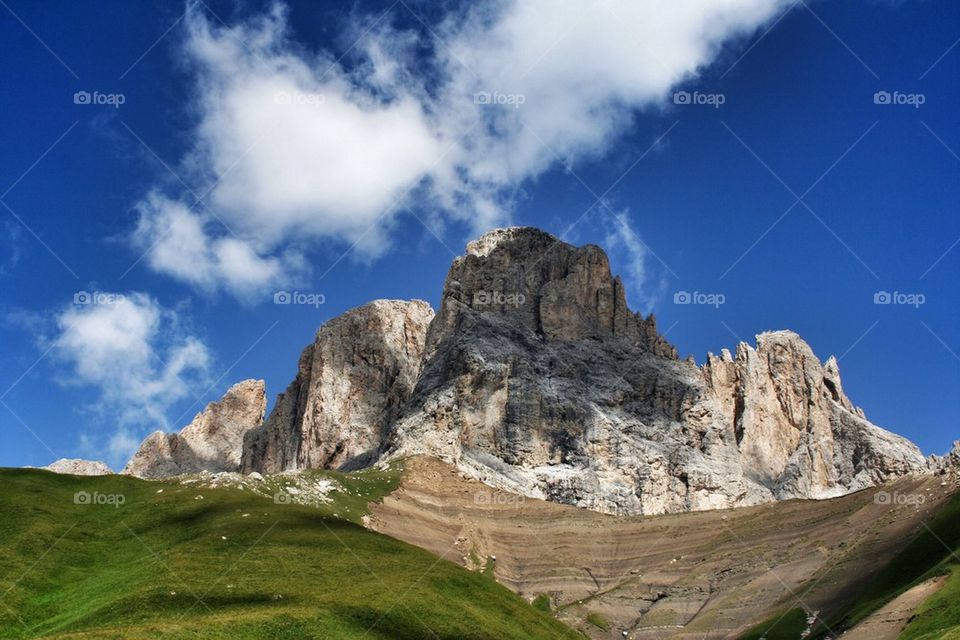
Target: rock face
x=350, y=385
x=213, y=441
x=536, y=377
x=77, y=467
x=953, y=458
x=797, y=432
x=546, y=287
x=948, y=462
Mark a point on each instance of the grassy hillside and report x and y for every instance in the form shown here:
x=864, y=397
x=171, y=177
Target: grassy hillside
x=935, y=551
x=939, y=617
x=164, y=560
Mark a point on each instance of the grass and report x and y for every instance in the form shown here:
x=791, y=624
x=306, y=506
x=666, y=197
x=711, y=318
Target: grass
x=489, y=569
x=542, y=603
x=598, y=621
x=939, y=616
x=933, y=552
x=170, y=565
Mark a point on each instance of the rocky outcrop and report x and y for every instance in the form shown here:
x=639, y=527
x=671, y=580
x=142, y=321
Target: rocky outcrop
x=78, y=467
x=539, y=379
x=946, y=463
x=953, y=458
x=536, y=377
x=797, y=432
x=350, y=385
x=543, y=286
x=213, y=441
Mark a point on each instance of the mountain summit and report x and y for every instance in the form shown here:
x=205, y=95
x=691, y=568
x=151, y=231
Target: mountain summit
x=536, y=377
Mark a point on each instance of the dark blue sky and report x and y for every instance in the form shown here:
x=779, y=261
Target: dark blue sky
x=878, y=187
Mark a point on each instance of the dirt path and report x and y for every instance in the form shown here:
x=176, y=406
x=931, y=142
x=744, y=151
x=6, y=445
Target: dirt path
x=888, y=623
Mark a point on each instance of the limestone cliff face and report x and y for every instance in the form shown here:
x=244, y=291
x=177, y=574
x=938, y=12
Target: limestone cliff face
x=536, y=377
x=946, y=463
x=797, y=432
x=550, y=288
x=213, y=441
x=539, y=379
x=350, y=385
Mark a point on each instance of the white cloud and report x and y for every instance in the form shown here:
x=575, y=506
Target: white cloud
x=295, y=146
x=12, y=237
x=627, y=248
x=178, y=241
x=135, y=354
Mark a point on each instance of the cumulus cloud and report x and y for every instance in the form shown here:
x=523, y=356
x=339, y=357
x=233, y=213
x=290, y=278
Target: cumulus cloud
x=134, y=352
x=178, y=241
x=295, y=146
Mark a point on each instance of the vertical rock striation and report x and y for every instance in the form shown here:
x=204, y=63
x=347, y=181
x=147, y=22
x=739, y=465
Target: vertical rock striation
x=213, y=441
x=350, y=385
x=536, y=377
x=539, y=379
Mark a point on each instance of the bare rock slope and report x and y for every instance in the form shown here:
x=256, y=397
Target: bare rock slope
x=946, y=463
x=536, y=377
x=78, y=467
x=213, y=441
x=350, y=385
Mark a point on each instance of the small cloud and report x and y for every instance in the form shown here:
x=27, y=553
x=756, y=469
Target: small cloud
x=628, y=249
x=11, y=239
x=134, y=353
x=178, y=242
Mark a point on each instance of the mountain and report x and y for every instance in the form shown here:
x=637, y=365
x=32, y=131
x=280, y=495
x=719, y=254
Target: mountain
x=213, y=441
x=77, y=467
x=284, y=556
x=351, y=384
x=536, y=377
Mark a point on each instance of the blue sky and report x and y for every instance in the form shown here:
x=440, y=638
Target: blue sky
x=792, y=160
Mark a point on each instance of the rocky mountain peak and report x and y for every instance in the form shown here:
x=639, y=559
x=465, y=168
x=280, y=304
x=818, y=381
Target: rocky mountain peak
x=350, y=385
x=529, y=280
x=536, y=377
x=213, y=441
x=522, y=236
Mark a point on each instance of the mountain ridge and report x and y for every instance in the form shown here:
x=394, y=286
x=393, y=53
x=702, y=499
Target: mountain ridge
x=535, y=376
